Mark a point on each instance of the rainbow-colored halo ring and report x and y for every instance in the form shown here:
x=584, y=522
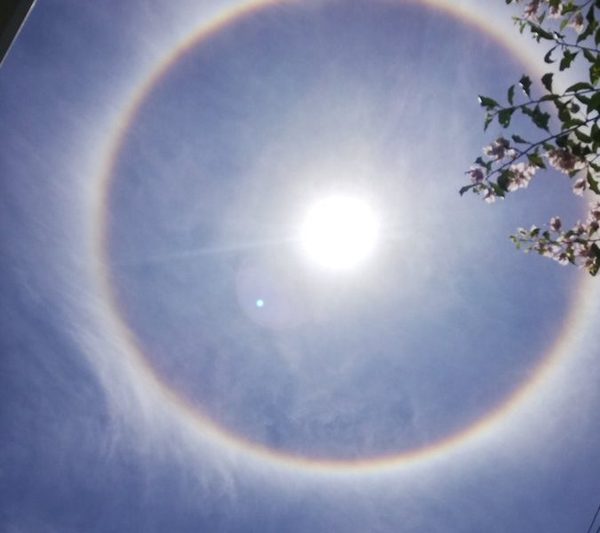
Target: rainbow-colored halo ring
x=137, y=354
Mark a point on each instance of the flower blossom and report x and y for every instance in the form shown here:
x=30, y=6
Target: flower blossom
x=580, y=250
x=521, y=174
x=577, y=22
x=476, y=173
x=499, y=149
x=489, y=196
x=578, y=229
x=579, y=186
x=564, y=160
x=575, y=246
x=531, y=10
x=562, y=258
x=552, y=250
x=555, y=11
x=594, y=214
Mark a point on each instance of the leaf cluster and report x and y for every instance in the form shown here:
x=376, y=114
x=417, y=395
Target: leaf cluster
x=568, y=121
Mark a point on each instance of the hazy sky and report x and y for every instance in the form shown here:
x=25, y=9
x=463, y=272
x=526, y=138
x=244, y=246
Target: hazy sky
x=172, y=359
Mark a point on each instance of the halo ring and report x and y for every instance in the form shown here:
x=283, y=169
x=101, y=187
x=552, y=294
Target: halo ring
x=225, y=437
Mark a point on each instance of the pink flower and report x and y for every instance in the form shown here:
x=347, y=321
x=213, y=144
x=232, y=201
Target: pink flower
x=594, y=214
x=476, y=173
x=564, y=160
x=499, y=149
x=531, y=10
x=577, y=22
x=521, y=174
x=555, y=12
x=555, y=224
x=489, y=196
x=551, y=251
x=580, y=250
x=562, y=258
x=579, y=186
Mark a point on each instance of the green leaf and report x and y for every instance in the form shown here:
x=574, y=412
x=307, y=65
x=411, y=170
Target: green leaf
x=519, y=140
x=464, y=189
x=536, y=160
x=539, y=32
x=511, y=94
x=583, y=150
x=580, y=86
x=595, y=133
x=589, y=30
x=562, y=141
x=547, y=81
x=595, y=73
x=564, y=115
x=567, y=60
x=594, y=104
x=593, y=183
x=559, y=104
x=573, y=122
x=583, y=99
x=504, y=180
x=582, y=136
x=489, y=103
x=505, y=115
x=589, y=55
x=525, y=84
x=539, y=118
x=548, y=56
x=485, y=164
x=499, y=191
x=590, y=15
x=487, y=121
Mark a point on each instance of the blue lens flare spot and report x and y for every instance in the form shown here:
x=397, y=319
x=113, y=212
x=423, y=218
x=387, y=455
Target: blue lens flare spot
x=260, y=303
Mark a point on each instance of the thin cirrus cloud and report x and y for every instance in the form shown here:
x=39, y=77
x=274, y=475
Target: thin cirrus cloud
x=198, y=406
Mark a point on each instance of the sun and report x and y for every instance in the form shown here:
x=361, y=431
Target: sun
x=339, y=232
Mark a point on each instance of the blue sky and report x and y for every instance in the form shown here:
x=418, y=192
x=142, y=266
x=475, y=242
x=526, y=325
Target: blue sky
x=142, y=387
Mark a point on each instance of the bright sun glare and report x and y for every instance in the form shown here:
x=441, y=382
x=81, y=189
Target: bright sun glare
x=339, y=232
